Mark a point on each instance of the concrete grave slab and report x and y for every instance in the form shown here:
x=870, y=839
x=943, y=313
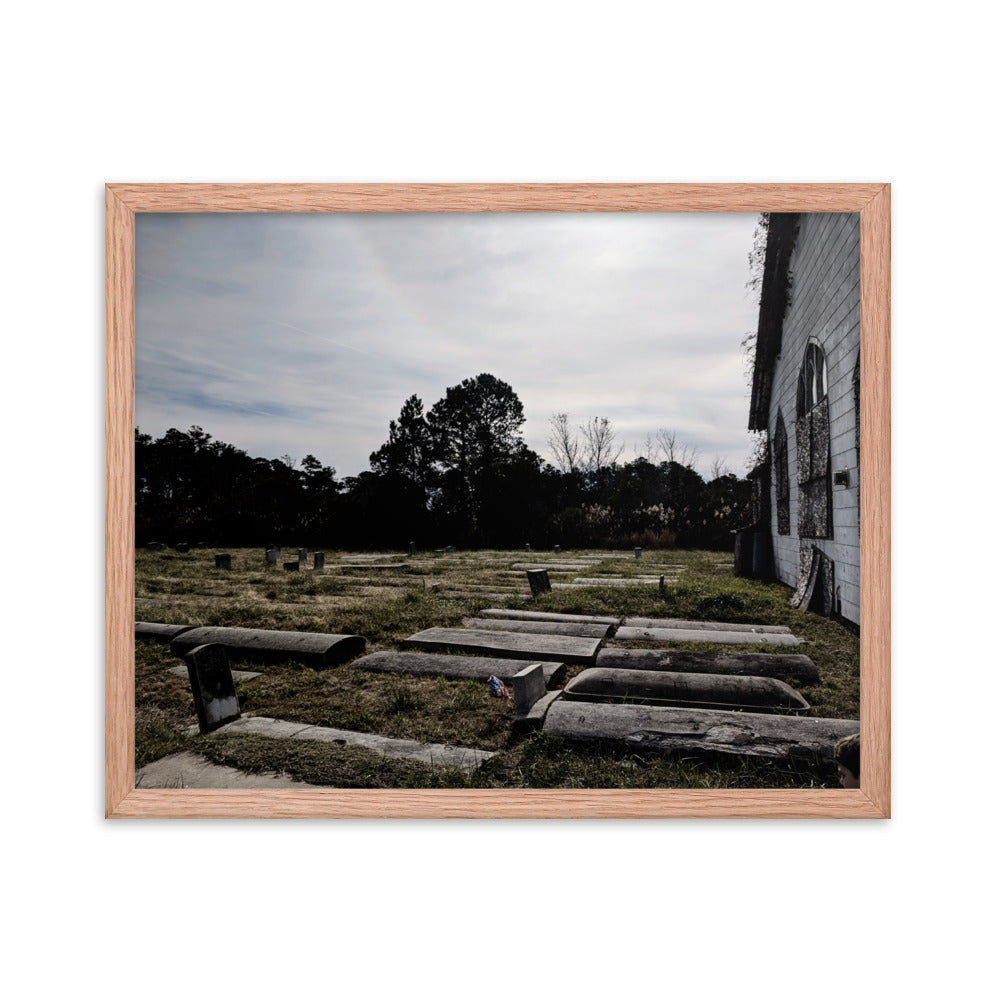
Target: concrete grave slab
x=190, y=770
x=476, y=668
x=513, y=645
x=615, y=581
x=316, y=649
x=710, y=626
x=586, y=629
x=706, y=635
x=783, y=666
x=238, y=675
x=653, y=727
x=158, y=632
x=547, y=616
x=434, y=754
x=661, y=687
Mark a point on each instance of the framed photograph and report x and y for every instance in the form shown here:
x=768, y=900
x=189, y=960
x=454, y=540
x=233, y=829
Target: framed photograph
x=494, y=500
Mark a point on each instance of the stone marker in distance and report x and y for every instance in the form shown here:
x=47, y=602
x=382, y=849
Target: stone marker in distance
x=272, y=555
x=224, y=561
x=212, y=686
x=538, y=580
x=319, y=560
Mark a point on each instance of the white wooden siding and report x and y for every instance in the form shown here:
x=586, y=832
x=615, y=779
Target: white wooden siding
x=825, y=304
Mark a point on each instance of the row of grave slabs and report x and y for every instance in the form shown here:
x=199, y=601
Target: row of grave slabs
x=653, y=697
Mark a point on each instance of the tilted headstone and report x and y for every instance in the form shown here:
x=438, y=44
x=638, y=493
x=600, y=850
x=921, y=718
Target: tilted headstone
x=183, y=547
x=224, y=561
x=292, y=567
x=212, y=686
x=538, y=580
x=529, y=686
x=272, y=556
x=319, y=560
x=638, y=552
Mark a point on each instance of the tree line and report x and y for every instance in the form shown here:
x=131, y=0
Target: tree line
x=458, y=474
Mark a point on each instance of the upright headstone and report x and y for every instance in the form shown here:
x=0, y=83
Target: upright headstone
x=638, y=552
x=663, y=587
x=183, y=547
x=303, y=556
x=292, y=567
x=527, y=548
x=153, y=546
x=529, y=686
x=212, y=686
x=224, y=561
x=271, y=555
x=538, y=580
x=201, y=545
x=319, y=560
x=558, y=549
x=413, y=548
x=450, y=548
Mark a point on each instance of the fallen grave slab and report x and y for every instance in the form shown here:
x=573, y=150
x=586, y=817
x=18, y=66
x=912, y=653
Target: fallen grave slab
x=238, y=675
x=191, y=770
x=652, y=727
x=614, y=581
x=458, y=668
x=586, y=629
x=709, y=626
x=368, y=567
x=783, y=666
x=508, y=645
x=434, y=754
x=547, y=616
x=604, y=583
x=553, y=566
x=159, y=632
x=315, y=649
x=706, y=635
x=661, y=687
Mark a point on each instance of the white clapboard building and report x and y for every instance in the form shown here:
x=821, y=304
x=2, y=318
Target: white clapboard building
x=806, y=385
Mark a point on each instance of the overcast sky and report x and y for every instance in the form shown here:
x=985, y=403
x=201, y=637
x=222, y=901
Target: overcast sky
x=304, y=334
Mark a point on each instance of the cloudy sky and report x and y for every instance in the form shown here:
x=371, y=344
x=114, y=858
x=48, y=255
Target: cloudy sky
x=304, y=334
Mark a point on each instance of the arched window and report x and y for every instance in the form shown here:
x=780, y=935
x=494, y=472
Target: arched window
x=812, y=441
x=782, y=490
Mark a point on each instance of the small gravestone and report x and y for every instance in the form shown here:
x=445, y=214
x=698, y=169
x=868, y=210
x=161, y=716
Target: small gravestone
x=292, y=567
x=529, y=686
x=450, y=548
x=638, y=552
x=538, y=580
x=558, y=549
x=413, y=548
x=303, y=556
x=153, y=546
x=201, y=545
x=212, y=686
x=663, y=588
x=271, y=555
x=224, y=561
x=527, y=548
x=319, y=560
x=183, y=547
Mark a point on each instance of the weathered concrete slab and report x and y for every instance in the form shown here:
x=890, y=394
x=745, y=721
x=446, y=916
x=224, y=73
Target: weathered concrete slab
x=614, y=581
x=706, y=635
x=653, y=727
x=434, y=754
x=783, y=666
x=534, y=717
x=709, y=626
x=158, y=632
x=546, y=616
x=584, y=586
x=554, y=565
x=677, y=688
x=470, y=668
x=191, y=770
x=372, y=567
x=586, y=629
x=238, y=675
x=516, y=645
x=259, y=645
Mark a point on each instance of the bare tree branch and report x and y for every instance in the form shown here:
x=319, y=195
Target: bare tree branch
x=601, y=443
x=564, y=443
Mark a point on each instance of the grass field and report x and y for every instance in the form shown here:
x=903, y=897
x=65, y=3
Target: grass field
x=352, y=595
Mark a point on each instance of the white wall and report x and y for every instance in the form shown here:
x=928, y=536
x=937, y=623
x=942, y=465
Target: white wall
x=825, y=306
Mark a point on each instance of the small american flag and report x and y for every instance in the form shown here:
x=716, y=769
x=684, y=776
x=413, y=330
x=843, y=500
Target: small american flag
x=498, y=690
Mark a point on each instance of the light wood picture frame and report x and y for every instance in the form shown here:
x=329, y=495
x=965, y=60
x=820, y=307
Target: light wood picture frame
x=871, y=201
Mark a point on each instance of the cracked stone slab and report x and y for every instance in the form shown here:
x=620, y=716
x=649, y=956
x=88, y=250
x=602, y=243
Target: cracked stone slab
x=706, y=635
x=783, y=666
x=748, y=734
x=507, y=645
x=587, y=629
x=433, y=754
x=710, y=626
x=476, y=668
x=191, y=770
